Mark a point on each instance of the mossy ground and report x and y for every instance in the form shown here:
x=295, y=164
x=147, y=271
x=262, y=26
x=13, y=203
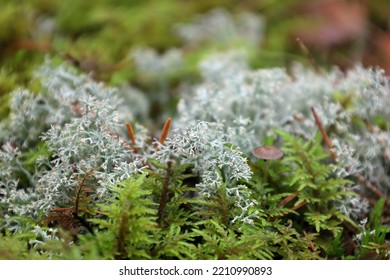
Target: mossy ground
x=158, y=215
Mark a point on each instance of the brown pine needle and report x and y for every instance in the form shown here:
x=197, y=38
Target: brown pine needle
x=311, y=59
x=368, y=185
x=376, y=132
x=311, y=245
x=300, y=205
x=327, y=141
x=296, y=207
x=165, y=131
x=287, y=199
x=131, y=134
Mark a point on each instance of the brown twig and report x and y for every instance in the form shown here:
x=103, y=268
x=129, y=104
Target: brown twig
x=311, y=245
x=130, y=133
x=296, y=207
x=287, y=199
x=300, y=205
x=165, y=131
x=329, y=144
x=368, y=184
x=121, y=244
x=164, y=194
x=309, y=56
x=78, y=193
x=374, y=130
x=327, y=141
x=386, y=220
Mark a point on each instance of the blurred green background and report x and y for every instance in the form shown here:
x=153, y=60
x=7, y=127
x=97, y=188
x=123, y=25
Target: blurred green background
x=99, y=36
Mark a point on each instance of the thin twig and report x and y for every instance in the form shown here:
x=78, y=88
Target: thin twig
x=368, y=185
x=121, y=246
x=386, y=220
x=165, y=131
x=78, y=194
x=300, y=205
x=374, y=130
x=311, y=245
x=81, y=188
x=329, y=144
x=164, y=194
x=296, y=207
x=287, y=199
x=327, y=141
x=311, y=59
x=131, y=134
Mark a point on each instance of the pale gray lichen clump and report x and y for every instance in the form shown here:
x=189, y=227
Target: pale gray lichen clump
x=219, y=121
x=253, y=103
x=78, y=120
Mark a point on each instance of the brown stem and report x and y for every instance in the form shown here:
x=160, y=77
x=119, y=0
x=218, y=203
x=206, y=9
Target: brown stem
x=79, y=189
x=368, y=185
x=311, y=59
x=300, y=205
x=121, y=244
x=374, y=130
x=386, y=220
x=165, y=131
x=164, y=194
x=296, y=207
x=131, y=134
x=287, y=199
x=327, y=141
x=311, y=245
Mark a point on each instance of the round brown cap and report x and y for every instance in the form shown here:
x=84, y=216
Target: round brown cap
x=267, y=152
